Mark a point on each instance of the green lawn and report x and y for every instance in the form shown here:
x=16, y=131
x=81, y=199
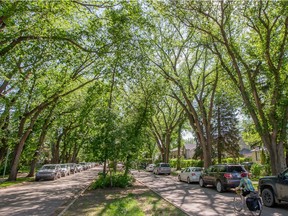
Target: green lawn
x=18, y=181
x=137, y=200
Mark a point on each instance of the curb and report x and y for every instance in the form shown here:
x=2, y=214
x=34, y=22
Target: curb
x=175, y=205
x=73, y=201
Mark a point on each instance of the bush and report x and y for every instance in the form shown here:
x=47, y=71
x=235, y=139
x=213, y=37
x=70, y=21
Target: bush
x=117, y=180
x=266, y=171
x=256, y=169
x=186, y=163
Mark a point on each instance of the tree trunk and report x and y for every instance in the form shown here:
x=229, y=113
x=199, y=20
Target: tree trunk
x=277, y=156
x=56, y=149
x=4, y=139
x=37, y=152
x=179, y=138
x=16, y=156
x=219, y=140
x=19, y=147
x=40, y=143
x=168, y=143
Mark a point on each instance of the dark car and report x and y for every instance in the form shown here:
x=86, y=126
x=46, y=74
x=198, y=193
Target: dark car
x=223, y=176
x=48, y=172
x=274, y=189
x=162, y=168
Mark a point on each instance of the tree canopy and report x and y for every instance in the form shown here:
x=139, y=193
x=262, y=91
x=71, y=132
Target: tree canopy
x=108, y=80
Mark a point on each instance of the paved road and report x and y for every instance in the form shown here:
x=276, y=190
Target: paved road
x=196, y=200
x=44, y=197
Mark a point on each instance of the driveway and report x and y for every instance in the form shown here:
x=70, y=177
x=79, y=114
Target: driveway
x=44, y=197
x=195, y=200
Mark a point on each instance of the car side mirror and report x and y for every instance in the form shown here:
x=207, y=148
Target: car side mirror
x=280, y=176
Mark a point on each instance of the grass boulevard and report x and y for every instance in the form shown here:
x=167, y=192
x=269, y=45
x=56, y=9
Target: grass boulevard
x=136, y=200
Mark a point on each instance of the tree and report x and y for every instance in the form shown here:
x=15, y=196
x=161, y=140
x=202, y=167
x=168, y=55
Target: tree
x=250, y=41
x=225, y=130
x=168, y=115
x=191, y=72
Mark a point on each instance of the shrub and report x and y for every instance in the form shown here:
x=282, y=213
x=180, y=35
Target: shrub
x=266, y=171
x=117, y=180
x=256, y=169
x=186, y=163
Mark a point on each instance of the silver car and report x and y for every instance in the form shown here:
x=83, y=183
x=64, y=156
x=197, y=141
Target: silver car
x=65, y=170
x=162, y=168
x=190, y=174
x=150, y=167
x=49, y=172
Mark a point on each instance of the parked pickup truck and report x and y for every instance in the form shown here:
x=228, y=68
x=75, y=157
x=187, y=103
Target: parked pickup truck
x=274, y=189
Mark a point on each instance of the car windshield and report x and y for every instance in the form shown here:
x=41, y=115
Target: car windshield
x=165, y=165
x=235, y=169
x=197, y=169
x=48, y=167
x=63, y=166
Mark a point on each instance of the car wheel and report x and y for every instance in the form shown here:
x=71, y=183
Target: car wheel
x=268, y=197
x=179, y=178
x=202, y=183
x=219, y=186
x=37, y=179
x=188, y=180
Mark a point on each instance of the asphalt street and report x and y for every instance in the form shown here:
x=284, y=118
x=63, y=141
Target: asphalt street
x=198, y=201
x=44, y=197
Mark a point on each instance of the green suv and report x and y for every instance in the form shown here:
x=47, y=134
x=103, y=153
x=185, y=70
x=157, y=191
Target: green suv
x=223, y=176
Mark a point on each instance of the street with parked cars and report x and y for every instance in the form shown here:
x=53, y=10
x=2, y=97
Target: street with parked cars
x=55, y=171
x=45, y=197
x=51, y=197
x=196, y=200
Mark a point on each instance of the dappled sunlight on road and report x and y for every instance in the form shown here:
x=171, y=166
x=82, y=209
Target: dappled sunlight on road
x=44, y=197
x=195, y=200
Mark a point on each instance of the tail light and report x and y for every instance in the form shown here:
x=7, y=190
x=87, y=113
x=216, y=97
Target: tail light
x=227, y=175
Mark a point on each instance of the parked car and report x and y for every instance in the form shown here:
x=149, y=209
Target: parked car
x=274, y=189
x=84, y=165
x=79, y=167
x=190, y=174
x=150, y=167
x=49, y=172
x=162, y=168
x=73, y=168
x=223, y=176
x=64, y=169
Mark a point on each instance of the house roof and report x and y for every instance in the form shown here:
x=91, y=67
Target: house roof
x=189, y=146
x=245, y=151
x=174, y=150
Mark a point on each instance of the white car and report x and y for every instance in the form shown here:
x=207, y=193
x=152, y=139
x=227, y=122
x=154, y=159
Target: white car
x=150, y=167
x=162, y=168
x=190, y=174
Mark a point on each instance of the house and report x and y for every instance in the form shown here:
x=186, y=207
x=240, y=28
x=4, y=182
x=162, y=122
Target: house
x=189, y=151
x=256, y=154
x=244, y=149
